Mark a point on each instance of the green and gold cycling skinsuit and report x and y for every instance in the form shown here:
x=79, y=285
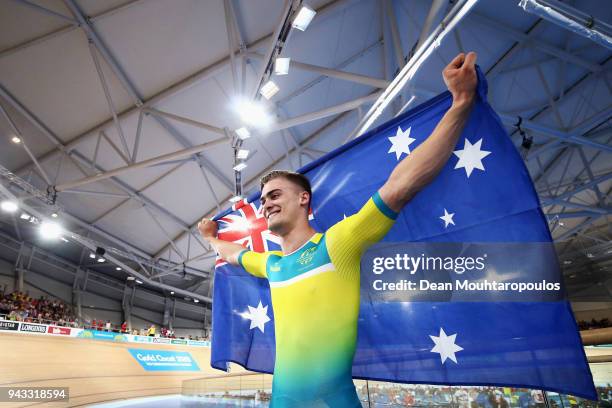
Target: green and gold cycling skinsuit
x=315, y=297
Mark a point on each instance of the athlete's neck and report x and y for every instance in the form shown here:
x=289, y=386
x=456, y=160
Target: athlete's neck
x=295, y=238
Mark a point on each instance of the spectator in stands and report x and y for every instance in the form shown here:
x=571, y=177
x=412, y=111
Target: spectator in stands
x=108, y=325
x=124, y=328
x=21, y=306
x=594, y=324
x=100, y=325
x=151, y=331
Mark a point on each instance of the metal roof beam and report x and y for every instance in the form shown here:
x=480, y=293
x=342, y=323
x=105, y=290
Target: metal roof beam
x=78, y=156
x=591, y=208
x=579, y=227
x=145, y=163
x=119, y=73
x=575, y=214
x=332, y=110
x=47, y=11
x=63, y=30
x=109, y=256
x=277, y=40
x=395, y=36
x=185, y=120
x=543, y=46
x=314, y=136
x=573, y=136
x=579, y=189
x=334, y=73
x=202, y=74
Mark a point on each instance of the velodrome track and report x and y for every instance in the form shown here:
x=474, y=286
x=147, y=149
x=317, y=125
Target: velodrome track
x=95, y=371
x=102, y=371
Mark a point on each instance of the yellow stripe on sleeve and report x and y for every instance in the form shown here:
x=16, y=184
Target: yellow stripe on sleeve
x=254, y=262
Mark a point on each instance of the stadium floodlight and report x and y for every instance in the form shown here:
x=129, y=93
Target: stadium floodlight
x=92, y=255
x=9, y=206
x=242, y=154
x=15, y=140
x=269, y=89
x=240, y=166
x=253, y=113
x=101, y=260
x=118, y=268
x=303, y=18
x=196, y=300
x=138, y=281
x=25, y=216
x=130, y=278
x=281, y=66
x=50, y=230
x=243, y=133
x=172, y=292
x=54, y=215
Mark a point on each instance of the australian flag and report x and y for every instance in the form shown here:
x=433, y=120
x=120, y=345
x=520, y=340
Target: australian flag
x=484, y=194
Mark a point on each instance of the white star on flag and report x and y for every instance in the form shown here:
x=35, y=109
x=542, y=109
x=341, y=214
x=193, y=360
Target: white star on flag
x=400, y=143
x=447, y=218
x=470, y=157
x=445, y=346
x=258, y=316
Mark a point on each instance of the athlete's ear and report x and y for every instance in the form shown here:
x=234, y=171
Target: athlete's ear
x=304, y=198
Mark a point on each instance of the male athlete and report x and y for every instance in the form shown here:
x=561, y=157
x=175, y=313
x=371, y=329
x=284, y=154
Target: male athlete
x=314, y=280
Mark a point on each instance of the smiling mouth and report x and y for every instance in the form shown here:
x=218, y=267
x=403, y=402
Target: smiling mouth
x=272, y=213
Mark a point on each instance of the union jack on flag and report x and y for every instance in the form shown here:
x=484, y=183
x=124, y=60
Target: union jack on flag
x=246, y=226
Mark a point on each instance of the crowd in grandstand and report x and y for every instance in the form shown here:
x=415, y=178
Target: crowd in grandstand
x=377, y=394
x=594, y=324
x=463, y=397
x=19, y=306
x=22, y=307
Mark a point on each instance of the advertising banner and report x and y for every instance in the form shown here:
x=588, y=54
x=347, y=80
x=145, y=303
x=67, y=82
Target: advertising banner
x=64, y=331
x=32, y=328
x=199, y=343
x=100, y=335
x=138, y=339
x=8, y=325
x=164, y=360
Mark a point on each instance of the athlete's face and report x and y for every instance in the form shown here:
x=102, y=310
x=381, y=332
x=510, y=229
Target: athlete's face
x=284, y=205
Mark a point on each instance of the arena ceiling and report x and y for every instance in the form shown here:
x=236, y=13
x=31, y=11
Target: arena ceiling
x=94, y=86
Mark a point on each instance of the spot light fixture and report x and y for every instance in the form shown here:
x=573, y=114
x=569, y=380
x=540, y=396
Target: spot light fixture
x=9, y=206
x=281, y=66
x=303, y=18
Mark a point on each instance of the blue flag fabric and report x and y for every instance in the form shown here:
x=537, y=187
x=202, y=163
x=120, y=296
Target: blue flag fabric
x=484, y=194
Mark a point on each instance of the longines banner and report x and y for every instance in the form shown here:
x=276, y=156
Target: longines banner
x=33, y=328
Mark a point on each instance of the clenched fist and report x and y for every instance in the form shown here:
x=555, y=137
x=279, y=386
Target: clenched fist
x=208, y=228
x=460, y=77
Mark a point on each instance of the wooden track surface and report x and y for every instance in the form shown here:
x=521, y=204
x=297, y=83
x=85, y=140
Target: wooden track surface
x=95, y=371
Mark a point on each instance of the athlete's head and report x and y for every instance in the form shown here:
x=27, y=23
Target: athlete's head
x=285, y=197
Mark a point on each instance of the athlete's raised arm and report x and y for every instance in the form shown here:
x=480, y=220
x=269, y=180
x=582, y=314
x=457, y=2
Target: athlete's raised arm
x=425, y=162
x=227, y=250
